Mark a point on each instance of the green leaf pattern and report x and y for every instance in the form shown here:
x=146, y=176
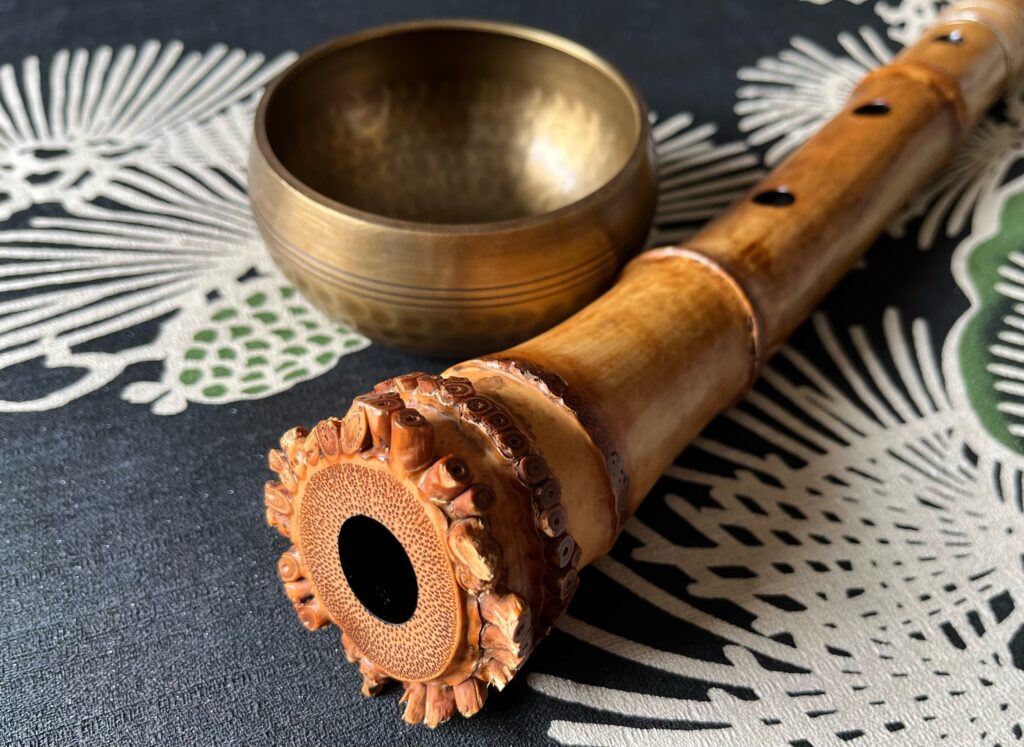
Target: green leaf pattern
x=984, y=354
x=259, y=338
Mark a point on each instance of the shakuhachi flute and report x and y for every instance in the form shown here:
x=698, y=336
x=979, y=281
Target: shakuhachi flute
x=442, y=522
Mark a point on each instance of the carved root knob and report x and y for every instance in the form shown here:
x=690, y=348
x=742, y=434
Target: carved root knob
x=496, y=674
x=547, y=494
x=278, y=463
x=473, y=548
x=561, y=551
x=374, y=680
x=532, y=469
x=327, y=435
x=279, y=522
x=473, y=502
x=355, y=431
x=276, y=498
x=404, y=383
x=511, y=443
x=415, y=699
x=298, y=590
x=311, y=449
x=407, y=382
x=352, y=652
x=565, y=585
x=446, y=478
x=431, y=703
x=508, y=659
x=378, y=409
x=470, y=696
x=440, y=704
x=455, y=389
x=552, y=521
x=289, y=566
x=312, y=615
x=412, y=441
x=506, y=612
x=492, y=637
x=291, y=441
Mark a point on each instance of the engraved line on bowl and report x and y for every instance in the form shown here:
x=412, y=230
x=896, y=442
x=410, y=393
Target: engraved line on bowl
x=341, y=278
x=449, y=303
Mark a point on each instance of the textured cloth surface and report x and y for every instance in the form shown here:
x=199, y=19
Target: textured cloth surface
x=837, y=559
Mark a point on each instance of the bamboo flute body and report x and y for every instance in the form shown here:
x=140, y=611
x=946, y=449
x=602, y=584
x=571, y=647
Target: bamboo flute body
x=537, y=455
x=685, y=330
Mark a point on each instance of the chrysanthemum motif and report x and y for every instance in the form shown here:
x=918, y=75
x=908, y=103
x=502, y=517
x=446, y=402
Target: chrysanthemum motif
x=908, y=19
x=789, y=97
x=856, y=567
x=698, y=178
x=168, y=240
x=104, y=112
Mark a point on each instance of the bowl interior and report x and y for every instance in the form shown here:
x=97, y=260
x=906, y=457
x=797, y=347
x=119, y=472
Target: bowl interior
x=452, y=125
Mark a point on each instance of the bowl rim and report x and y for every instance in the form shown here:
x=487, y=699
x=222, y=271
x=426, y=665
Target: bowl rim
x=546, y=38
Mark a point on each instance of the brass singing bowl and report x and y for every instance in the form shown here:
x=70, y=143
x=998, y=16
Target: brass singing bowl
x=451, y=187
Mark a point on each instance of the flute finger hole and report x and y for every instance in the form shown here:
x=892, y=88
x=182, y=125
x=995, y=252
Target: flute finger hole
x=953, y=37
x=872, y=109
x=779, y=197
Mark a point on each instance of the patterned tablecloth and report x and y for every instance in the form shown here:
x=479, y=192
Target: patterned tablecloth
x=838, y=559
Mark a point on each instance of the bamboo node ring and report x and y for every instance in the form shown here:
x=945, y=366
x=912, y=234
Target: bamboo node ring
x=755, y=325
x=978, y=11
x=947, y=89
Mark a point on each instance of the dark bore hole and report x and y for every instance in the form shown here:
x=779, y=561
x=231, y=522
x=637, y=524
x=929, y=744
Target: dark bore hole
x=873, y=109
x=377, y=569
x=953, y=37
x=780, y=197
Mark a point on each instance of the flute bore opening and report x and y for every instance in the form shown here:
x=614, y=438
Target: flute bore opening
x=953, y=37
x=378, y=569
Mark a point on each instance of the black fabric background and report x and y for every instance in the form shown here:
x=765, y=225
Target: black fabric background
x=138, y=597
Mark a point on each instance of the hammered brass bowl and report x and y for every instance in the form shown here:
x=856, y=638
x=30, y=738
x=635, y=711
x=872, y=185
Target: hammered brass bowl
x=451, y=187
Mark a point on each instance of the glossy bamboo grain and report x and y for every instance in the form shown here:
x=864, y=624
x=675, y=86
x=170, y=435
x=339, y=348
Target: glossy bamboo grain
x=538, y=454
